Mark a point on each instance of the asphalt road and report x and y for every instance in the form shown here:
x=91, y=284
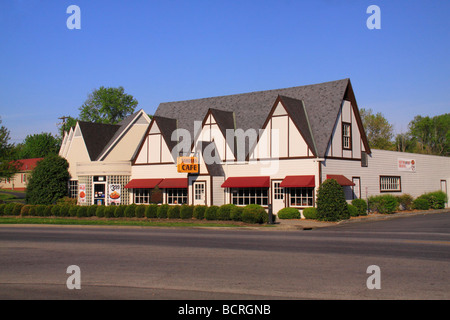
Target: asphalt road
x=413, y=256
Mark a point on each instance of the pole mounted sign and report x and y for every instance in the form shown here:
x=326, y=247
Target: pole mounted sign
x=187, y=165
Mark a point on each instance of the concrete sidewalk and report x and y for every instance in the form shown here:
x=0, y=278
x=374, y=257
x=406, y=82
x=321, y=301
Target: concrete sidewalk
x=306, y=224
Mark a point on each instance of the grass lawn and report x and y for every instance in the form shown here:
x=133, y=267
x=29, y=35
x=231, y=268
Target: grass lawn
x=122, y=222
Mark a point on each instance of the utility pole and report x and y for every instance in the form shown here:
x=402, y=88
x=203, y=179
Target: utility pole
x=63, y=118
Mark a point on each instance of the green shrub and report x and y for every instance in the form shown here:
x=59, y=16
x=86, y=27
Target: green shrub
x=33, y=211
x=100, y=211
x=40, y=210
x=173, y=212
x=25, y=210
x=254, y=213
x=353, y=210
x=186, y=211
x=64, y=210
x=119, y=211
x=49, y=180
x=130, y=211
x=140, y=211
x=224, y=211
x=92, y=210
x=199, y=212
x=9, y=209
x=66, y=201
x=109, y=211
x=436, y=199
x=2, y=209
x=162, y=211
x=421, y=204
x=211, y=213
x=17, y=209
x=310, y=213
x=405, y=201
x=48, y=211
x=289, y=213
x=82, y=211
x=151, y=211
x=361, y=205
x=236, y=213
x=331, y=204
x=72, y=211
x=383, y=203
x=56, y=210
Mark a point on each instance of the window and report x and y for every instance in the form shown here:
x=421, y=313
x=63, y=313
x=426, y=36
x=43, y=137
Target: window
x=390, y=184
x=364, y=159
x=73, y=189
x=346, y=135
x=244, y=196
x=176, y=195
x=278, y=192
x=302, y=197
x=142, y=196
x=199, y=191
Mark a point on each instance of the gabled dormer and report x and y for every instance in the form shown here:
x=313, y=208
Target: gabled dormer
x=286, y=132
x=348, y=139
x=157, y=144
x=214, y=128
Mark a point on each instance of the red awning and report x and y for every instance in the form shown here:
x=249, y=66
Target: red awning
x=299, y=182
x=174, y=183
x=343, y=181
x=143, y=183
x=247, y=182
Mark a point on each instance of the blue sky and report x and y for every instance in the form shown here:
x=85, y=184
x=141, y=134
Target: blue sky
x=173, y=50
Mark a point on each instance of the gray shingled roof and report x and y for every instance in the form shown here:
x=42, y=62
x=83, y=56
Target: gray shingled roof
x=96, y=136
x=322, y=103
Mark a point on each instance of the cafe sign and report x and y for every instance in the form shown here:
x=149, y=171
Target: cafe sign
x=187, y=165
x=407, y=165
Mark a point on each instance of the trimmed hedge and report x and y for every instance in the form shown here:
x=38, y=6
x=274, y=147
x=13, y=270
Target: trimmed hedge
x=162, y=211
x=383, y=204
x=224, y=211
x=236, y=213
x=211, y=213
x=289, y=213
x=361, y=206
x=186, y=211
x=254, y=213
x=199, y=212
x=151, y=211
x=173, y=212
x=436, y=199
x=353, y=210
x=310, y=213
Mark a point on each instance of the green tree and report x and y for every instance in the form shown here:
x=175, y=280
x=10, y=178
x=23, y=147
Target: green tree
x=39, y=146
x=8, y=167
x=68, y=122
x=378, y=130
x=48, y=182
x=107, y=105
x=331, y=204
x=432, y=135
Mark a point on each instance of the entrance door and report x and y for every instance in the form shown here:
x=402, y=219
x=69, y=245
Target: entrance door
x=278, y=196
x=356, y=188
x=444, y=188
x=199, y=192
x=99, y=193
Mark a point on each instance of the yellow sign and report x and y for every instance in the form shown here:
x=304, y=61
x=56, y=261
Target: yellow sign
x=187, y=164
